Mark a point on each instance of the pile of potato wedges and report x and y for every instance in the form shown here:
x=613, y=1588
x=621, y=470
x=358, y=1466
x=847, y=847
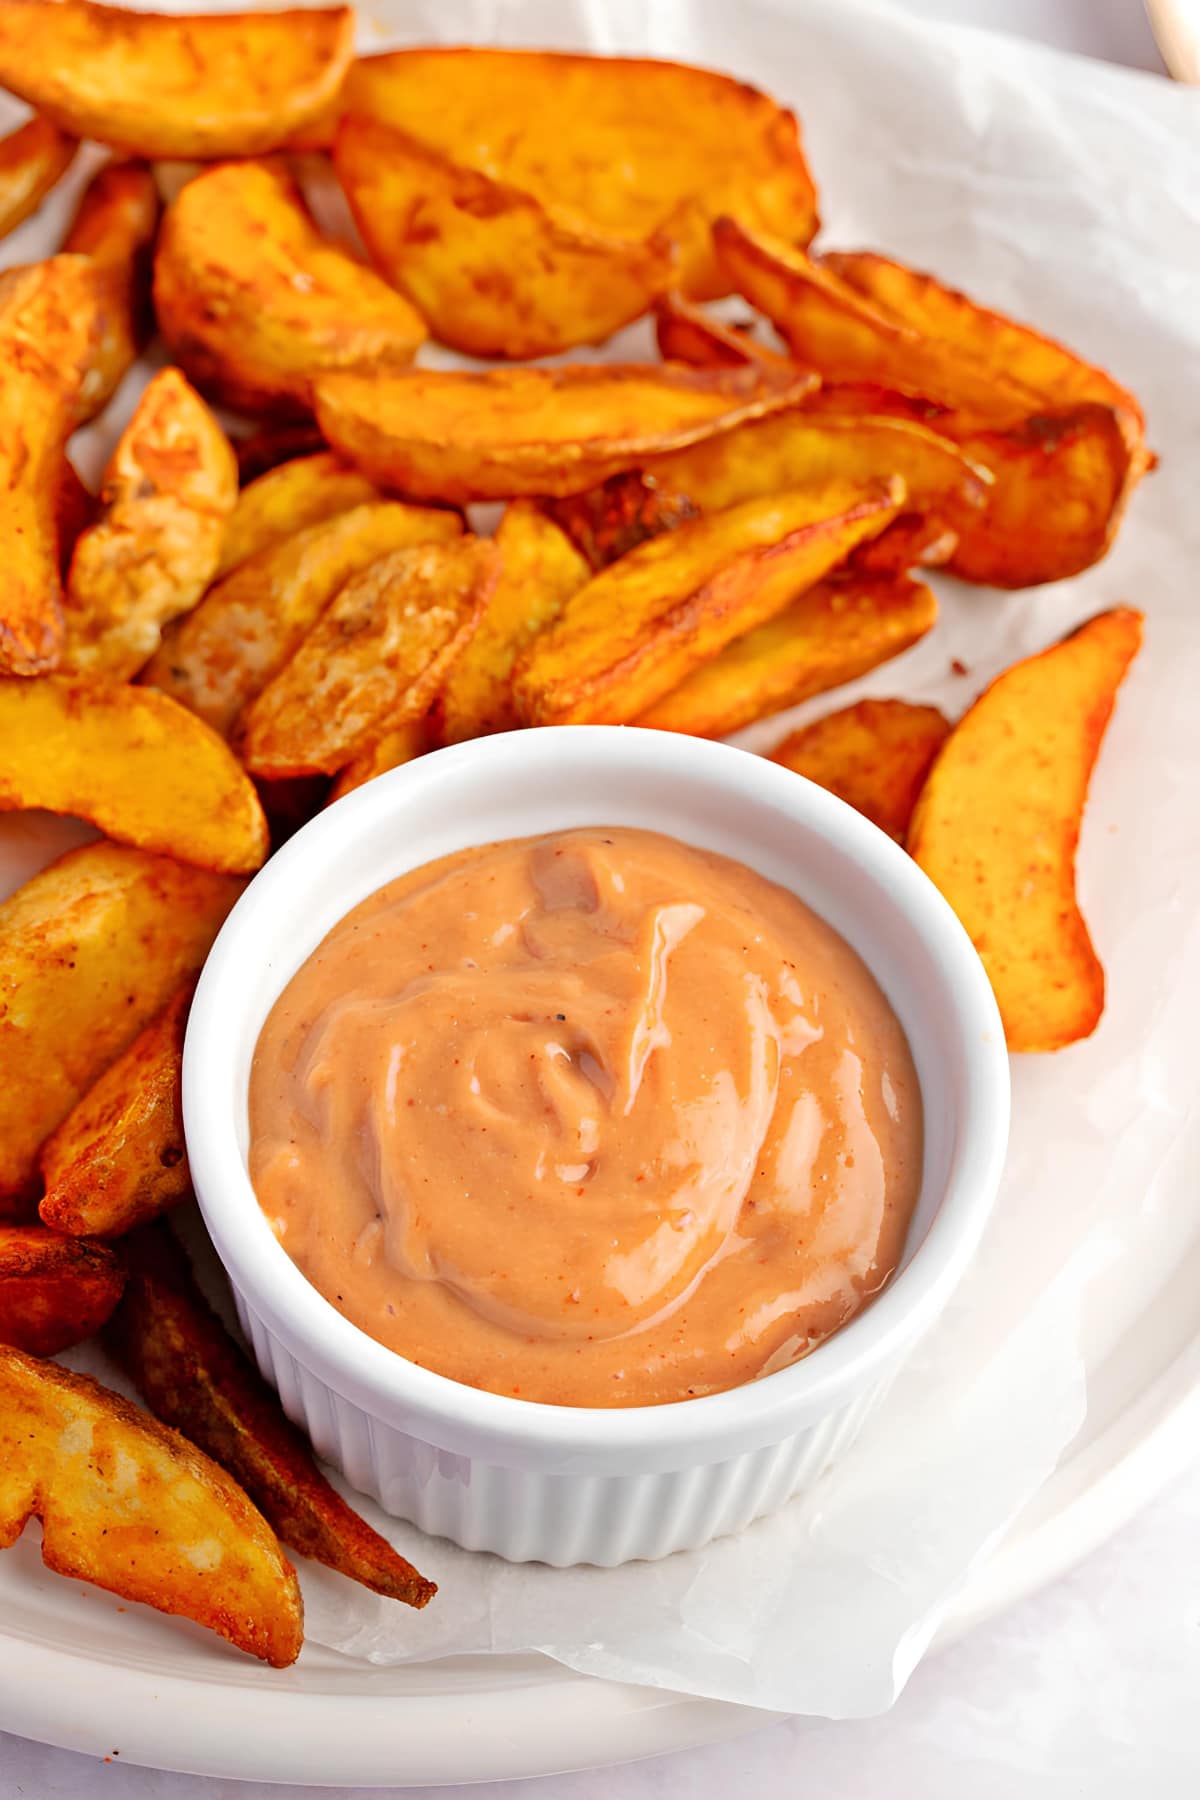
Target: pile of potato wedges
x=284, y=588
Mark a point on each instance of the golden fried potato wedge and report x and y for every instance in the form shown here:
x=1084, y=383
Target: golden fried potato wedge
x=54, y=1291
x=168, y=490
x=133, y=1507
x=999, y=344
x=493, y=269
x=832, y=633
x=402, y=744
x=169, y=85
x=621, y=144
x=119, y=1157
x=286, y=499
x=795, y=449
x=116, y=225
x=686, y=333
x=997, y=825
x=50, y=318
x=609, y=521
x=217, y=659
x=914, y=540
x=501, y=433
x=32, y=160
x=133, y=762
x=1060, y=483
x=645, y=623
x=374, y=660
x=193, y=1376
x=875, y=755
x=254, y=303
x=539, y=571
x=829, y=326
x=90, y=949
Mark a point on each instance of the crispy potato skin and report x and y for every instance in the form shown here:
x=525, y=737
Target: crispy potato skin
x=133, y=1507
x=501, y=434
x=54, y=1291
x=50, y=318
x=161, y=85
x=255, y=304
x=831, y=327
x=832, y=633
x=619, y=144
x=270, y=445
x=875, y=755
x=285, y=499
x=609, y=521
x=225, y=652
x=32, y=160
x=90, y=949
x=374, y=660
x=648, y=621
x=997, y=825
x=168, y=491
x=686, y=333
x=135, y=763
x=119, y=1157
x=538, y=573
x=193, y=1376
x=116, y=225
x=495, y=271
x=75, y=508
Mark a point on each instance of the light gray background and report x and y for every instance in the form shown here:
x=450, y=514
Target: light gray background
x=1085, y=1692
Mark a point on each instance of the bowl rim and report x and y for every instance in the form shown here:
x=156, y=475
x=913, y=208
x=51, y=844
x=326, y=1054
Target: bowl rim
x=708, y=1427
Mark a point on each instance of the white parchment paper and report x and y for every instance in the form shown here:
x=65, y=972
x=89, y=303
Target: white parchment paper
x=1067, y=193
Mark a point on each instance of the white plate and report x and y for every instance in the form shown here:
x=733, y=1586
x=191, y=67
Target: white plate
x=80, y=1670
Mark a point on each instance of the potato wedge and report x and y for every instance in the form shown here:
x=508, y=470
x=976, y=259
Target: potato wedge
x=609, y=521
x=254, y=303
x=999, y=344
x=647, y=622
x=54, y=1291
x=119, y=1157
x=830, y=634
x=50, y=316
x=166, y=85
x=831, y=327
x=686, y=333
x=90, y=949
x=133, y=1507
x=539, y=571
x=1060, y=484
x=997, y=824
x=620, y=144
x=116, y=225
x=168, y=490
x=286, y=499
x=795, y=449
x=374, y=660
x=875, y=755
x=217, y=659
x=402, y=744
x=502, y=433
x=192, y=1375
x=133, y=762
x=493, y=269
x=914, y=540
x=32, y=160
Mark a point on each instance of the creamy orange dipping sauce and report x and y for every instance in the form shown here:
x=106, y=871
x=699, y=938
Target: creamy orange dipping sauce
x=598, y=1119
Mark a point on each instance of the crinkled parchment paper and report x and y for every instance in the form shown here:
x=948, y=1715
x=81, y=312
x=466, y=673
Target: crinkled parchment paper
x=1067, y=193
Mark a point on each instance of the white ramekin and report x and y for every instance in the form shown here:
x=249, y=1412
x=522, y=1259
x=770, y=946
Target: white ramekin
x=572, y=1484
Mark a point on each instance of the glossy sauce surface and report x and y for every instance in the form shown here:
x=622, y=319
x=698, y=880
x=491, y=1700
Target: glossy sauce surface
x=598, y=1119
